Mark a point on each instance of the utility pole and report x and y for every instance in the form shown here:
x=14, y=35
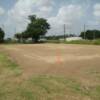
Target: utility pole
x=64, y=32
x=70, y=30
x=84, y=31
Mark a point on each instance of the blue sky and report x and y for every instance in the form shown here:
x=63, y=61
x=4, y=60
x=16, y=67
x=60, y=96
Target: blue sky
x=73, y=13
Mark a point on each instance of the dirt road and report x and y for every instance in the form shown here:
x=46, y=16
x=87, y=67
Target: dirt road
x=59, y=59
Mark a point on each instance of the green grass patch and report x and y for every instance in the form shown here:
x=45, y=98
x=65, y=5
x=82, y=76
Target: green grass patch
x=7, y=66
x=56, y=88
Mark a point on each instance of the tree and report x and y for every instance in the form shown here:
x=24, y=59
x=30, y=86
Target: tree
x=2, y=34
x=37, y=27
x=90, y=34
x=83, y=35
x=25, y=36
x=18, y=36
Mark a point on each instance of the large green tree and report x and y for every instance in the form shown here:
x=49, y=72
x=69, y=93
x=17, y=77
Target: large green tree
x=37, y=27
x=2, y=34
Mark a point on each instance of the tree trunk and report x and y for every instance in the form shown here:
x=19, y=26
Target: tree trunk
x=32, y=40
x=35, y=40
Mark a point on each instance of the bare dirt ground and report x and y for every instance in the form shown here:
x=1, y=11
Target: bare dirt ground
x=55, y=59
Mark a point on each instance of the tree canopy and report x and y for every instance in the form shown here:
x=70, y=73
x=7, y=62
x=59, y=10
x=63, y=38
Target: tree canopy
x=2, y=34
x=90, y=34
x=37, y=27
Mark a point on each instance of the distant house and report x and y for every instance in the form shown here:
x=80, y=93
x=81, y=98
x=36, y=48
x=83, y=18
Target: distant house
x=73, y=38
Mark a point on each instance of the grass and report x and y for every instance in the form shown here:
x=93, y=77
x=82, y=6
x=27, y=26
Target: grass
x=86, y=42
x=42, y=87
x=8, y=66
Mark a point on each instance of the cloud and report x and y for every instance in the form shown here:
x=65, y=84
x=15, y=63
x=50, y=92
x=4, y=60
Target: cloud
x=45, y=8
x=97, y=10
x=96, y=16
x=24, y=8
x=2, y=11
x=68, y=15
x=18, y=16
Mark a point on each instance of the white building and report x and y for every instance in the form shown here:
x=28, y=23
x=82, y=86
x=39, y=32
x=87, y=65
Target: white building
x=73, y=38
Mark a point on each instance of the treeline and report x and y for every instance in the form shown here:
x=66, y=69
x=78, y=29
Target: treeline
x=37, y=29
x=90, y=34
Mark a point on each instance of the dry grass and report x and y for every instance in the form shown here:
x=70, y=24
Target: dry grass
x=37, y=79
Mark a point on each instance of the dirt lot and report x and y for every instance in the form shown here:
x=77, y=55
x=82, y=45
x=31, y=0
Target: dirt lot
x=49, y=72
x=55, y=59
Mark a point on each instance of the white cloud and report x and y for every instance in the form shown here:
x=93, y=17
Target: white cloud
x=44, y=8
x=45, y=3
x=2, y=11
x=97, y=10
x=96, y=15
x=68, y=15
x=17, y=16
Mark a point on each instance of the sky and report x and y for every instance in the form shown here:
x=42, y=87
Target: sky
x=73, y=13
